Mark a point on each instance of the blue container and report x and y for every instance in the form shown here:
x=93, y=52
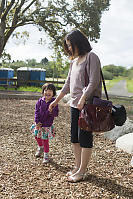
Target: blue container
x=23, y=75
x=37, y=74
x=42, y=76
x=6, y=73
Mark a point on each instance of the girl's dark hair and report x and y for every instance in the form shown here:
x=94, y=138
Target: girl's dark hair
x=49, y=87
x=78, y=39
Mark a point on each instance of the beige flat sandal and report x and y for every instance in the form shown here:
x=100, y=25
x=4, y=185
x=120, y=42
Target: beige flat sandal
x=76, y=178
x=69, y=173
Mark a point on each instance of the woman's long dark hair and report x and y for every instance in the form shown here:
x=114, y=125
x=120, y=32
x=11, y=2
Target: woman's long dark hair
x=78, y=39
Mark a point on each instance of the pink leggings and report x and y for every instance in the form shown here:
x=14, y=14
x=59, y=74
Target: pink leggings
x=44, y=143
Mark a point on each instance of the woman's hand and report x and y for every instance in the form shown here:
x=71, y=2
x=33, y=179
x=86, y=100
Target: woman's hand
x=81, y=102
x=52, y=105
x=55, y=102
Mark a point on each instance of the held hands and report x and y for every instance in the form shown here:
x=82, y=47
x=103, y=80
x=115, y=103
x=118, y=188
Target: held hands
x=52, y=106
x=56, y=101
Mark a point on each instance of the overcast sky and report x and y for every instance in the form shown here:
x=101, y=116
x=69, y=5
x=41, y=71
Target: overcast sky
x=115, y=45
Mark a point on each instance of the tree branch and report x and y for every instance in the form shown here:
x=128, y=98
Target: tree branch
x=20, y=24
x=28, y=7
x=33, y=22
x=2, y=7
x=7, y=10
x=15, y=17
x=51, y=21
x=14, y=22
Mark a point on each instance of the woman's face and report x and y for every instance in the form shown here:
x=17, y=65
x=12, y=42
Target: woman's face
x=68, y=43
x=70, y=48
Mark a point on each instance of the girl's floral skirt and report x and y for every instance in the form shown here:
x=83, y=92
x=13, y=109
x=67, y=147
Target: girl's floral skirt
x=44, y=133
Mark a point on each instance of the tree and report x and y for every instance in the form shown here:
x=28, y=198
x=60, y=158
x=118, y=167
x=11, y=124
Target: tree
x=44, y=61
x=15, y=65
x=31, y=62
x=6, y=58
x=54, y=16
x=130, y=73
x=107, y=75
x=115, y=70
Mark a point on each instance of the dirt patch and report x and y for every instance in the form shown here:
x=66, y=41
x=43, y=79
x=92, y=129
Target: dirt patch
x=22, y=176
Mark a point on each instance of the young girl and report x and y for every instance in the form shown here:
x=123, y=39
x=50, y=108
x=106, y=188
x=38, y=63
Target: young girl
x=43, y=128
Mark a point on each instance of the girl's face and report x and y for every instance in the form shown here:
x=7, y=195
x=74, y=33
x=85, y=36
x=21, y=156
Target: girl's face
x=48, y=94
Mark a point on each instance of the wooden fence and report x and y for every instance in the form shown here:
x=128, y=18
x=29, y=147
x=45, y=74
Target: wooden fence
x=17, y=83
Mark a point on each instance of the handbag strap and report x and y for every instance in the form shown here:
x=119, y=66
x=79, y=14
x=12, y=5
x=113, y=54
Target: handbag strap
x=104, y=85
x=103, y=81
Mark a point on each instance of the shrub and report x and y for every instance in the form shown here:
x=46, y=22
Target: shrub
x=107, y=75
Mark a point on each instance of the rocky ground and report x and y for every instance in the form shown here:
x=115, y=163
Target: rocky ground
x=22, y=176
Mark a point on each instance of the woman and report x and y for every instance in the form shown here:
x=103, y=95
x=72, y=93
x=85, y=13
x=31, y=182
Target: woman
x=78, y=48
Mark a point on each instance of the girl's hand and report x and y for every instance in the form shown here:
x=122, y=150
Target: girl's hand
x=38, y=125
x=56, y=101
x=52, y=105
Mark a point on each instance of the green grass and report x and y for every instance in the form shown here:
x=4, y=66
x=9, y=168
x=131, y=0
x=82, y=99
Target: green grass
x=30, y=88
x=2, y=88
x=130, y=85
x=25, y=88
x=10, y=89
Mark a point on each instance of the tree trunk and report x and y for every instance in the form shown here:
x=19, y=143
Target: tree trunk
x=4, y=36
x=2, y=30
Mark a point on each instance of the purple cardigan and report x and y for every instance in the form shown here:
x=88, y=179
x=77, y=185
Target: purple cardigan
x=42, y=113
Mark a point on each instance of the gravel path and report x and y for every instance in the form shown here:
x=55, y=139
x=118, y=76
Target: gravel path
x=120, y=89
x=22, y=176
x=6, y=94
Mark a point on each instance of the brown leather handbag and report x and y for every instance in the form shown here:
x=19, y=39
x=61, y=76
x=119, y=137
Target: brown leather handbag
x=97, y=117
